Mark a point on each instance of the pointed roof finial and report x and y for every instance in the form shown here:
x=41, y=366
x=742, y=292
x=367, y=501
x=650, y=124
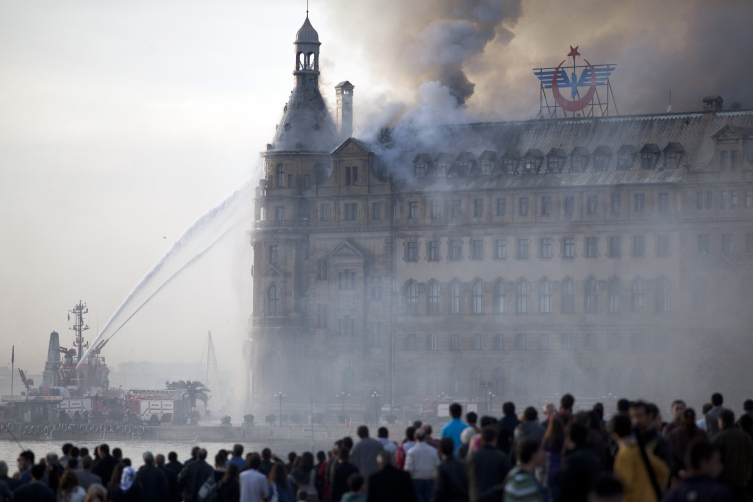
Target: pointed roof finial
x=307, y=9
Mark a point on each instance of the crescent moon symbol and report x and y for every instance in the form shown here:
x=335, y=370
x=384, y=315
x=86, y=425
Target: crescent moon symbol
x=574, y=106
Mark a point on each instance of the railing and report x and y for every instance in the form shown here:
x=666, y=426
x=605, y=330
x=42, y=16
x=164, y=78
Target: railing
x=278, y=322
x=262, y=224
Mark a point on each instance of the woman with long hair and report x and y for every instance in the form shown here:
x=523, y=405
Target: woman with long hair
x=304, y=476
x=112, y=485
x=220, y=460
x=96, y=493
x=69, y=489
x=229, y=487
x=681, y=438
x=279, y=484
x=553, y=443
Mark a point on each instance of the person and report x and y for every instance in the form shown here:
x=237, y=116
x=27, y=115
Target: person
x=506, y=427
x=566, y=405
x=471, y=418
x=700, y=485
x=678, y=414
x=389, y=484
x=303, y=476
x=529, y=428
x=220, y=463
x=13, y=484
x=266, y=462
x=421, y=462
x=427, y=437
x=85, y=475
x=254, y=485
x=65, y=456
x=229, y=487
x=606, y=489
x=748, y=407
x=641, y=472
x=69, y=490
x=357, y=489
x=596, y=439
x=128, y=490
x=736, y=450
x=521, y=484
x=487, y=467
x=170, y=475
x=580, y=468
x=117, y=454
x=96, y=493
x=701, y=423
x=549, y=411
x=193, y=476
x=343, y=471
x=194, y=456
x=152, y=481
x=450, y=480
x=279, y=485
x=681, y=438
x=106, y=463
x=383, y=435
x=333, y=465
x=35, y=490
x=644, y=423
x=623, y=406
x=238, y=458
x=117, y=473
x=291, y=461
x=364, y=452
x=24, y=462
x=408, y=443
x=465, y=439
x=553, y=443
x=322, y=483
x=454, y=427
x=712, y=417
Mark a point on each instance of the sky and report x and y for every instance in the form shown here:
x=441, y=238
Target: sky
x=121, y=123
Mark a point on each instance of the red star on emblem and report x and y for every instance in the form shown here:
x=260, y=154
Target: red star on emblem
x=574, y=52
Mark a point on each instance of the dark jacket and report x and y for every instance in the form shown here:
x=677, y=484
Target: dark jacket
x=340, y=479
x=192, y=477
x=659, y=446
x=712, y=421
x=487, y=467
x=172, y=482
x=229, y=491
x=679, y=441
x=737, y=456
x=34, y=492
x=506, y=431
x=450, y=482
x=390, y=485
x=154, y=485
x=104, y=468
x=132, y=495
x=13, y=484
x=700, y=489
x=266, y=466
x=174, y=466
x=580, y=468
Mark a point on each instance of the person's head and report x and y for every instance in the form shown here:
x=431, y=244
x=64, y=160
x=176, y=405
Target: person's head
x=277, y=474
x=383, y=432
x=620, y=426
x=127, y=462
x=486, y=421
x=420, y=435
x=456, y=410
x=117, y=453
x=417, y=424
x=355, y=483
x=292, y=456
x=576, y=434
x=307, y=461
x=343, y=454
x=25, y=460
x=67, y=482
x=87, y=463
x=74, y=452
x=705, y=460
x=447, y=447
x=202, y=455
x=231, y=473
x=548, y=410
x=384, y=458
x=95, y=493
x=3, y=469
x=639, y=416
x=104, y=450
x=726, y=418
x=706, y=408
x=623, y=406
x=748, y=406
x=238, y=450
x=321, y=456
x=599, y=410
x=471, y=417
x=717, y=399
x=172, y=456
x=529, y=453
x=148, y=458
x=220, y=459
x=530, y=414
x=195, y=452
x=348, y=442
x=606, y=489
x=410, y=434
x=159, y=460
x=72, y=463
x=253, y=461
x=566, y=403
x=83, y=451
x=488, y=435
x=678, y=409
x=688, y=420
x=37, y=472
x=67, y=448
x=746, y=422
x=427, y=430
x=554, y=438
x=508, y=409
x=266, y=454
x=362, y=431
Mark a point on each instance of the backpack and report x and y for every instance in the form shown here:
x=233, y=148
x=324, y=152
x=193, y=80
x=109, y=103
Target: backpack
x=208, y=491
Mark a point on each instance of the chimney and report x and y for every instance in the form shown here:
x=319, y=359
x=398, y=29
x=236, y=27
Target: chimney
x=712, y=104
x=344, y=93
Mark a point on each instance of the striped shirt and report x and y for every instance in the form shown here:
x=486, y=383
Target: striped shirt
x=521, y=487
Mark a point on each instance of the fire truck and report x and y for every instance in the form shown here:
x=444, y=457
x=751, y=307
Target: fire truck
x=436, y=410
x=152, y=406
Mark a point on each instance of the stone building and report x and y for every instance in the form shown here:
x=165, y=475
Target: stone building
x=595, y=256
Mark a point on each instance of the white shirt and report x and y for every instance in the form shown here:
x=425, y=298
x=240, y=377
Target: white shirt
x=389, y=446
x=422, y=461
x=253, y=486
x=701, y=424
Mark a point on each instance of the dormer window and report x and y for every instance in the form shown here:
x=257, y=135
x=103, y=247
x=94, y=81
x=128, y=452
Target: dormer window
x=486, y=162
x=671, y=160
x=531, y=161
x=625, y=156
x=463, y=165
x=552, y=164
x=579, y=159
x=508, y=166
x=486, y=168
x=443, y=164
x=649, y=154
x=420, y=170
x=602, y=155
x=672, y=155
x=555, y=160
x=624, y=162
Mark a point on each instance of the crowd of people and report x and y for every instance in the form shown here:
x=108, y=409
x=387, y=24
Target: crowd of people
x=560, y=456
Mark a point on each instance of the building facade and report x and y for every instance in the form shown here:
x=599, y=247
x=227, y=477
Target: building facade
x=602, y=256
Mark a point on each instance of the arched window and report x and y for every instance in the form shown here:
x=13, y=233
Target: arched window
x=521, y=382
x=699, y=295
x=410, y=342
x=433, y=298
x=431, y=382
x=411, y=298
x=454, y=297
x=280, y=176
x=567, y=381
x=498, y=381
x=636, y=383
x=590, y=387
x=273, y=301
x=271, y=370
x=410, y=384
x=454, y=381
x=592, y=296
x=613, y=383
x=662, y=295
x=544, y=387
x=521, y=297
x=639, y=296
x=477, y=297
x=545, y=297
x=499, y=297
x=568, y=297
x=349, y=381
x=614, y=295
x=476, y=379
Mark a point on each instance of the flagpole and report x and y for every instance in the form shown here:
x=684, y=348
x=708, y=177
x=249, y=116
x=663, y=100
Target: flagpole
x=12, y=367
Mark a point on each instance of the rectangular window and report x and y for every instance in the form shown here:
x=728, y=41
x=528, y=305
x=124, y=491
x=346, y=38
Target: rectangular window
x=273, y=252
x=455, y=342
x=522, y=249
x=698, y=201
x=545, y=248
x=663, y=202
x=456, y=249
x=546, y=206
x=639, y=246
x=600, y=162
x=544, y=341
x=569, y=205
x=640, y=202
x=733, y=160
x=346, y=326
x=703, y=243
x=431, y=342
x=662, y=245
x=477, y=249
x=411, y=251
x=568, y=247
x=456, y=208
x=614, y=342
x=616, y=203
x=290, y=180
x=567, y=341
x=347, y=279
x=280, y=213
x=501, y=206
x=321, y=316
x=351, y=211
x=306, y=181
x=523, y=206
x=593, y=203
x=499, y=341
x=748, y=198
x=499, y=249
x=321, y=269
x=434, y=209
x=591, y=247
x=520, y=341
x=615, y=247
x=590, y=342
x=478, y=208
x=433, y=250
x=726, y=243
x=476, y=343
x=733, y=199
x=412, y=210
x=723, y=160
x=375, y=334
x=723, y=200
x=749, y=243
x=325, y=212
x=351, y=175
x=376, y=211
x=670, y=160
x=709, y=200
x=376, y=287
x=647, y=161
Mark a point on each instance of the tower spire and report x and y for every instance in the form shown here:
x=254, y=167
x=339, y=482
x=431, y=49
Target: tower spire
x=307, y=9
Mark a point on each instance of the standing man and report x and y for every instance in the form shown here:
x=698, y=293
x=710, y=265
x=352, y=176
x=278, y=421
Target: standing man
x=35, y=491
x=487, y=467
x=712, y=417
x=736, y=450
x=580, y=467
x=237, y=457
x=106, y=464
x=451, y=480
x=364, y=453
x=154, y=485
x=384, y=437
x=193, y=475
x=389, y=484
x=421, y=462
x=343, y=471
x=254, y=484
x=521, y=485
x=24, y=462
x=454, y=427
x=678, y=410
x=170, y=475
